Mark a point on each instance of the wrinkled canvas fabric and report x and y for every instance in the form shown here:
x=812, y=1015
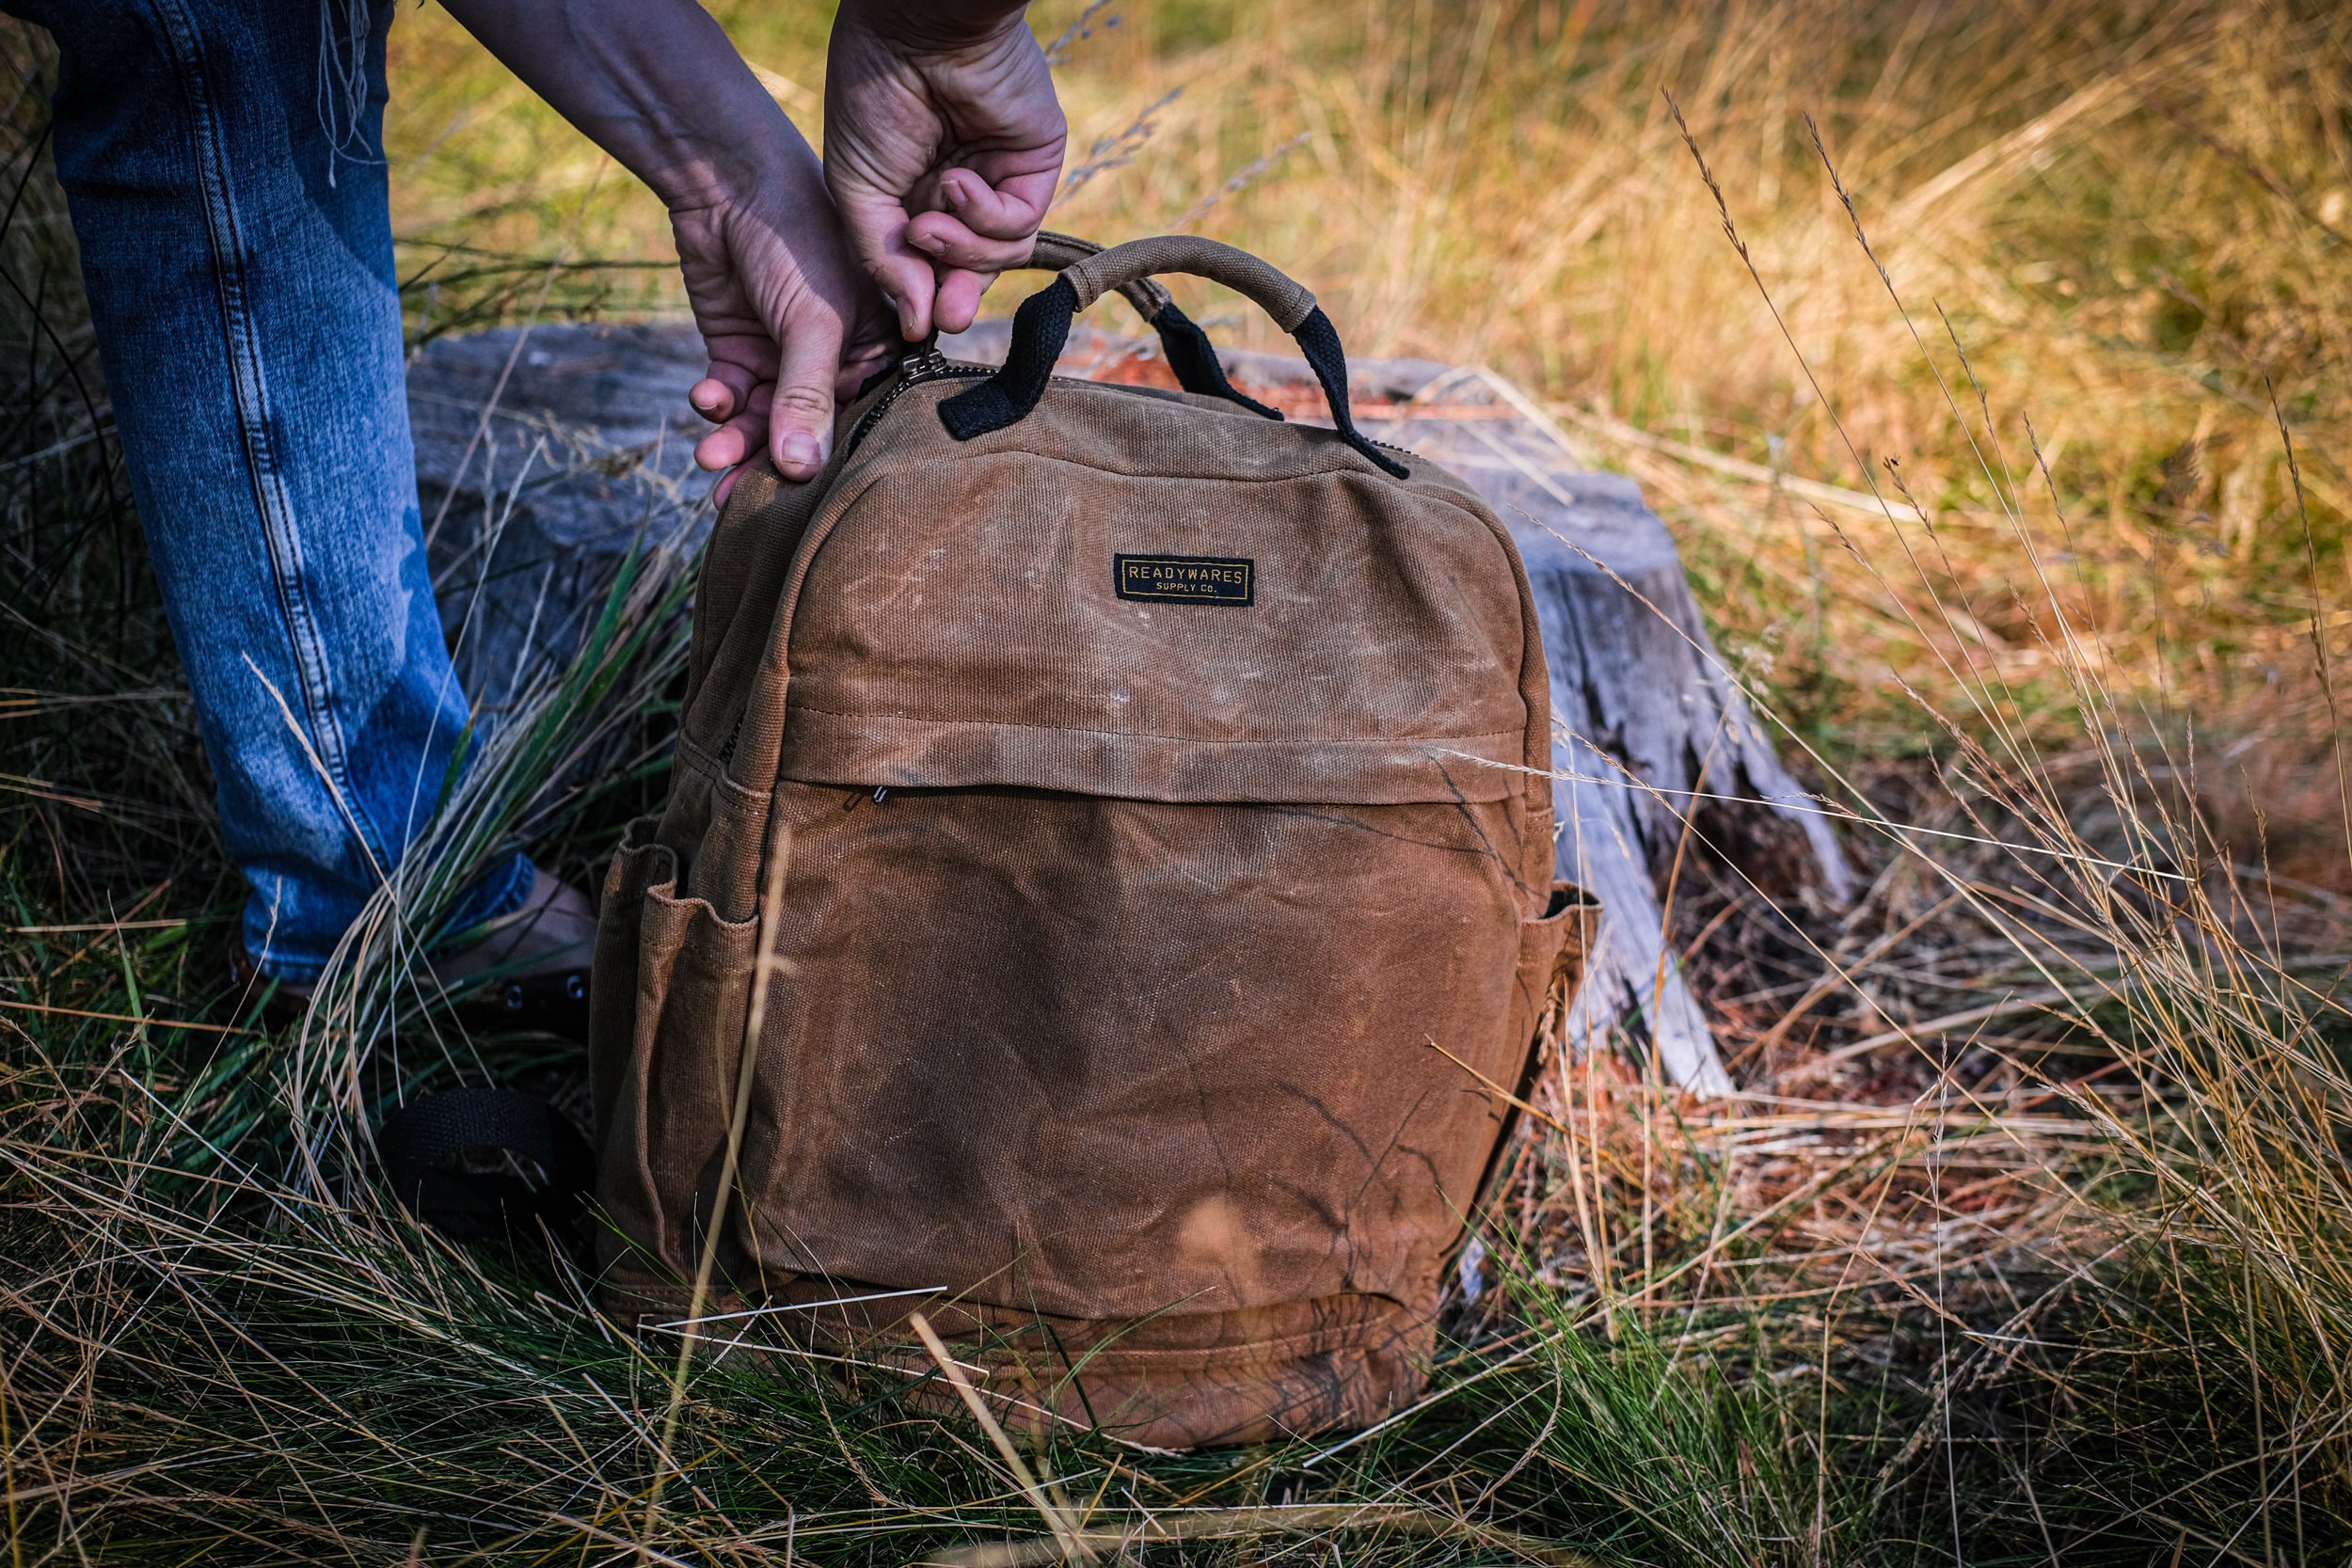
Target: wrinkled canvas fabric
x=1155, y=786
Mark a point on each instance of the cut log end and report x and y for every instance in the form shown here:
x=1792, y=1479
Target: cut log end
x=1658, y=752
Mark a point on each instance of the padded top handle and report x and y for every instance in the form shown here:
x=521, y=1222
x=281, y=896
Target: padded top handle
x=1042, y=326
x=1275, y=292
x=1185, y=346
x=1054, y=252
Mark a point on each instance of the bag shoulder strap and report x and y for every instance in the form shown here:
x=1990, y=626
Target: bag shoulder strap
x=417, y=1142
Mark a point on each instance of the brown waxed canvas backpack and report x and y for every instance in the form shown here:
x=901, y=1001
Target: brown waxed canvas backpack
x=1153, y=794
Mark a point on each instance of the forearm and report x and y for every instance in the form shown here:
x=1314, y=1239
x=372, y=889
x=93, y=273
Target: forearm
x=655, y=83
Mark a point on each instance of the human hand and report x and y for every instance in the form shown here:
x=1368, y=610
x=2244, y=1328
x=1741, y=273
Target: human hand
x=944, y=142
x=789, y=324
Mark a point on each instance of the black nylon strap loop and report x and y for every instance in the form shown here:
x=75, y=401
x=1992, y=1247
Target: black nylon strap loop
x=1185, y=347
x=1041, y=326
x=1194, y=359
x=1039, y=329
x=1320, y=341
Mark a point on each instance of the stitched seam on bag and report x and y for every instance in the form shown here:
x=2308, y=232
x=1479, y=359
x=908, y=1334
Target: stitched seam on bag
x=713, y=772
x=702, y=906
x=1383, y=1327
x=1215, y=1357
x=1145, y=734
x=1307, y=1341
x=750, y=795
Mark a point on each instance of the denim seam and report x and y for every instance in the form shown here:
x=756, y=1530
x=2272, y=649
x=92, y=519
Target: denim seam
x=252, y=394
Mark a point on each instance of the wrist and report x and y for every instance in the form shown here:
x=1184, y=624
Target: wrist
x=698, y=173
x=933, y=26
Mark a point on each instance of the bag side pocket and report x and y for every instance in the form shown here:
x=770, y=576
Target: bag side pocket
x=1552, y=949
x=1552, y=962
x=669, y=989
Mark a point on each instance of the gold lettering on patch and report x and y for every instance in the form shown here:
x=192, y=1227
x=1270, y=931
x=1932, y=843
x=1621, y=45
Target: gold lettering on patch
x=1185, y=578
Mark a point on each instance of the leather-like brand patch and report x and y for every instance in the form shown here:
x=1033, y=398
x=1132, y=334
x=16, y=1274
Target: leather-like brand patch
x=1185, y=578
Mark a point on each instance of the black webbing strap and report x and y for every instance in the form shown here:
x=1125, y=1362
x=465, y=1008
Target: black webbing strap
x=1192, y=357
x=1039, y=329
x=1320, y=341
x=1183, y=344
x=420, y=1142
x=1041, y=326
x=1185, y=347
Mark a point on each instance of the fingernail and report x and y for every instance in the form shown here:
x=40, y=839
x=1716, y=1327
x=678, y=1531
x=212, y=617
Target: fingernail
x=800, y=451
x=931, y=245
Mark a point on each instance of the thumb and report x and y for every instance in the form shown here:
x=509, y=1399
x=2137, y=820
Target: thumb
x=800, y=420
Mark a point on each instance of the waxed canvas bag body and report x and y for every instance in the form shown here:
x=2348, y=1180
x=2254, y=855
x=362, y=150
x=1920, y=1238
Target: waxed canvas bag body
x=1154, y=798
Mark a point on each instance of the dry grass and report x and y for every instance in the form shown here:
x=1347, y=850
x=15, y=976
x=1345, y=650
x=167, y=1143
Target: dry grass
x=2132, y=219
x=2029, y=1239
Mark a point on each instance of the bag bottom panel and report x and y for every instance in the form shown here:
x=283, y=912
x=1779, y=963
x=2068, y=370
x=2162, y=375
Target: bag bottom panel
x=1179, y=1380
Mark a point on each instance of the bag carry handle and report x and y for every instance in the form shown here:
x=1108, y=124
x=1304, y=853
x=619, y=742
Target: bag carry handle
x=1052, y=253
x=1183, y=344
x=1041, y=326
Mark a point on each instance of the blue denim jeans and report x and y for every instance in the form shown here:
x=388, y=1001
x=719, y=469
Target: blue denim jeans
x=223, y=162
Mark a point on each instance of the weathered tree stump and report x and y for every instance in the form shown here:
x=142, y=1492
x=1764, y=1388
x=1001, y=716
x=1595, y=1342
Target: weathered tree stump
x=1655, y=751
x=542, y=458
x=586, y=449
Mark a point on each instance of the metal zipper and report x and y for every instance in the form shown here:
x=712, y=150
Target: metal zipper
x=925, y=364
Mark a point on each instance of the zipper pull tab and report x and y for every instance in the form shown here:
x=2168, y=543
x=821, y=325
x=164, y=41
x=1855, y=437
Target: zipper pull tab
x=923, y=362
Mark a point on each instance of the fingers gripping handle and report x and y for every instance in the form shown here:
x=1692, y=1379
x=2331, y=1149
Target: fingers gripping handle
x=1041, y=326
